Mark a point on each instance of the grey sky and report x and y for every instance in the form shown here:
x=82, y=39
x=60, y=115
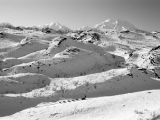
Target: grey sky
x=144, y=14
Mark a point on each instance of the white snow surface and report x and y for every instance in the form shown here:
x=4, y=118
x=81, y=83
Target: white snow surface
x=92, y=75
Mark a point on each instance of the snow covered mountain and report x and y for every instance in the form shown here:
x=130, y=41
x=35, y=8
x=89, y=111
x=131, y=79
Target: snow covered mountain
x=6, y=24
x=55, y=26
x=85, y=28
x=114, y=25
x=117, y=25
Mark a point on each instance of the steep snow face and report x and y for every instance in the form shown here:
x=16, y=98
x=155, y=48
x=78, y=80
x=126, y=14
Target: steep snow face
x=117, y=25
x=55, y=26
x=85, y=28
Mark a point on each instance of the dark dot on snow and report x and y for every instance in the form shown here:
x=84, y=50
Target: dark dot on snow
x=84, y=97
x=149, y=92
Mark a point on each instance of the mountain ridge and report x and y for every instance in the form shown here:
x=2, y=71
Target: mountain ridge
x=116, y=25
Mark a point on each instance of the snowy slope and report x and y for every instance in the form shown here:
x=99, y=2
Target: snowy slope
x=26, y=46
x=20, y=83
x=111, y=71
x=70, y=62
x=131, y=106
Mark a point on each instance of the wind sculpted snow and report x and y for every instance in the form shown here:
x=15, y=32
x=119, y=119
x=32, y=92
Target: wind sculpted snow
x=92, y=73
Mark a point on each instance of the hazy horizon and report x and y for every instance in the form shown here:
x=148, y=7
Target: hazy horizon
x=144, y=14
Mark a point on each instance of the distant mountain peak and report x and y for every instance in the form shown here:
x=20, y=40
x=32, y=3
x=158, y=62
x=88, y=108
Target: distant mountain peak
x=5, y=24
x=117, y=25
x=55, y=26
x=85, y=28
x=107, y=20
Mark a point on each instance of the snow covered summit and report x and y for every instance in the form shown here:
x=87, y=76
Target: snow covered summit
x=55, y=26
x=85, y=28
x=117, y=25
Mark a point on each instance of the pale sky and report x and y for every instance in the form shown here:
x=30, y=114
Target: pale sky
x=144, y=14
